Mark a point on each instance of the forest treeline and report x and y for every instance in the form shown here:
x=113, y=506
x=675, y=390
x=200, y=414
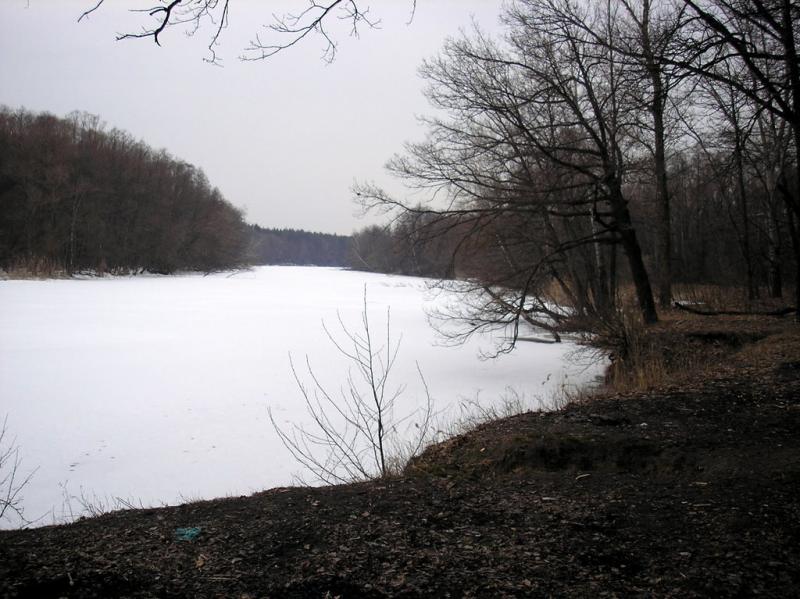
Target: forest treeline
x=707, y=225
x=291, y=246
x=77, y=197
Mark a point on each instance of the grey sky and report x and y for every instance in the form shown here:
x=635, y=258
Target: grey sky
x=283, y=138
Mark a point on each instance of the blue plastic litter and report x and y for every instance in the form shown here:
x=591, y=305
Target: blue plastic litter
x=187, y=534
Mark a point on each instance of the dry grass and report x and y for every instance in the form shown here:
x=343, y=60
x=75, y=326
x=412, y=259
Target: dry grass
x=639, y=362
x=718, y=297
x=684, y=347
x=681, y=345
x=34, y=267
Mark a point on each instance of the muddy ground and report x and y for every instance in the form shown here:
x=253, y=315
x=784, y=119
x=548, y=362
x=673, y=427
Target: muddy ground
x=689, y=489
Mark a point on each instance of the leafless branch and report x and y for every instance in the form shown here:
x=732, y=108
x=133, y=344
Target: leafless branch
x=155, y=32
x=85, y=14
x=285, y=30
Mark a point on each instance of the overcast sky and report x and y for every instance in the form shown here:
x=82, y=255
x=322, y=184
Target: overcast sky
x=283, y=138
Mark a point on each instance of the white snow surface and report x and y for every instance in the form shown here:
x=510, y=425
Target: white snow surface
x=155, y=389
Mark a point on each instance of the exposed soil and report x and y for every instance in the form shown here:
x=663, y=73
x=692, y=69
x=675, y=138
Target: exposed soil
x=691, y=489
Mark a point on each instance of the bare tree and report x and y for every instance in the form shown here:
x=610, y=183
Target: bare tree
x=648, y=32
x=356, y=434
x=763, y=37
x=12, y=480
x=769, y=155
x=736, y=119
x=529, y=165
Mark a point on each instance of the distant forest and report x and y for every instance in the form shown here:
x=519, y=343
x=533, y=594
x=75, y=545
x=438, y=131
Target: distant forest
x=75, y=197
x=290, y=246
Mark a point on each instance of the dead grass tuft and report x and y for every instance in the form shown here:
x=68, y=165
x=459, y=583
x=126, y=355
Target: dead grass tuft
x=35, y=267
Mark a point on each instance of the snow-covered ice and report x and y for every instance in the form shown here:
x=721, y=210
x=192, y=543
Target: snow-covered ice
x=156, y=389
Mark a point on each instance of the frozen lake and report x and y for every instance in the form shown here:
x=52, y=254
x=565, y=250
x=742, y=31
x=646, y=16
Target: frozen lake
x=156, y=389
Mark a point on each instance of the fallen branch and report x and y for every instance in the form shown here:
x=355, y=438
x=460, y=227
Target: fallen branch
x=536, y=340
x=781, y=312
x=522, y=313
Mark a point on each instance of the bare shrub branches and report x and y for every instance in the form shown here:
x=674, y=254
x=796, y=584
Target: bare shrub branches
x=90, y=505
x=12, y=480
x=356, y=434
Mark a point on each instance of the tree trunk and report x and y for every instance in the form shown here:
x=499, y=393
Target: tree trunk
x=663, y=229
x=664, y=242
x=742, y=195
x=641, y=281
x=602, y=299
x=774, y=278
x=788, y=32
x=612, y=275
x=795, y=235
x=633, y=252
